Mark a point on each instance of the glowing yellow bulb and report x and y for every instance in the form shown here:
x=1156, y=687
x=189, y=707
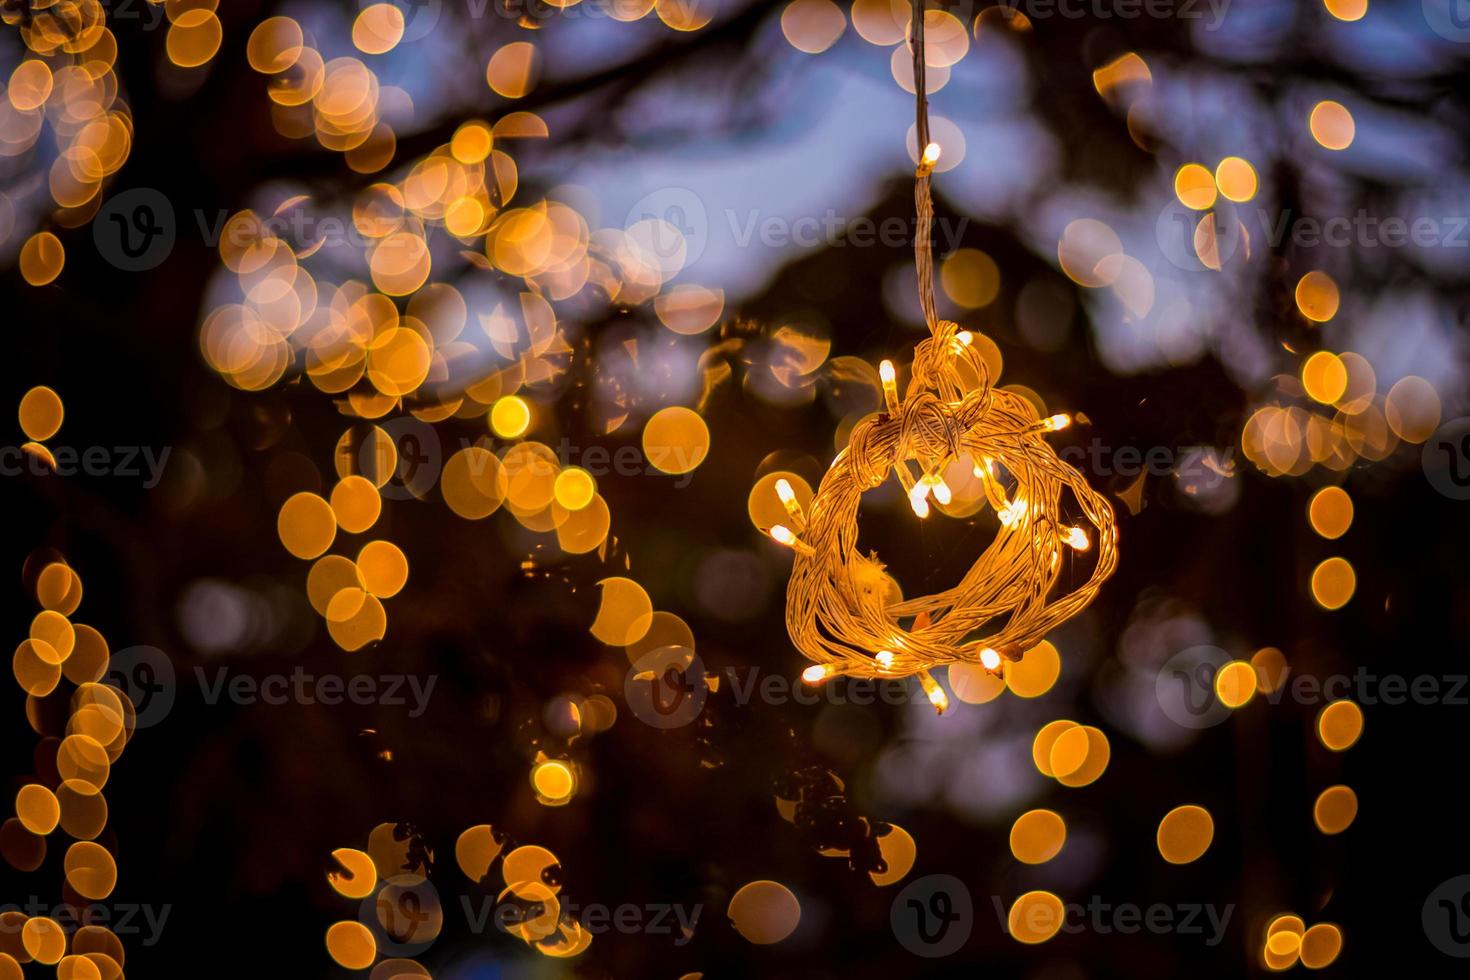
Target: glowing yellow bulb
x=936, y=694
x=1077, y=538
x=931, y=155
x=816, y=673
x=965, y=337
x=884, y=658
x=1013, y=512
x=889, y=377
x=554, y=780
x=510, y=417
x=783, y=535
x=1056, y=423
x=916, y=498
x=939, y=487
x=784, y=491
x=989, y=659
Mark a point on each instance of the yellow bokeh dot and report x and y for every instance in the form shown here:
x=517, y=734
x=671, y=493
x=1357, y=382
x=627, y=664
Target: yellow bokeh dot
x=58, y=588
x=1185, y=834
x=1236, y=179
x=41, y=413
x=351, y=945
x=970, y=278
x=1045, y=741
x=554, y=780
x=474, y=483
x=764, y=912
x=625, y=613
x=90, y=870
x=512, y=69
x=676, y=440
x=973, y=684
x=357, y=877
x=53, y=635
x=472, y=142
x=1317, y=296
x=1037, y=836
x=356, y=504
x=1035, y=673
x=1094, y=756
x=44, y=940
x=355, y=618
x=1271, y=669
x=1348, y=10
x=899, y=851
x=1340, y=725
x=1332, y=125
x=383, y=567
x=1324, y=377
x=1035, y=917
x=1194, y=185
x=378, y=28
x=1235, y=683
x=1413, y=409
x=1333, y=583
x=37, y=809
x=41, y=258
x=306, y=525
x=1331, y=512
x=510, y=417
x=274, y=45
x=1335, y=810
x=574, y=488
x=1320, y=945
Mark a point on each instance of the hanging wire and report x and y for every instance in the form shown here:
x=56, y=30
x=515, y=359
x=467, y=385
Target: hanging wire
x=843, y=611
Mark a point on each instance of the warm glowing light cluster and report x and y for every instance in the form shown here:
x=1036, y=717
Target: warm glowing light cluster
x=841, y=611
x=64, y=664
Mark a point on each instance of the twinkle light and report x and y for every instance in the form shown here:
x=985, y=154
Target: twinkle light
x=839, y=612
x=888, y=376
x=784, y=535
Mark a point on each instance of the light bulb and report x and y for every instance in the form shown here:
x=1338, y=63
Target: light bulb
x=931, y=154
x=884, y=658
x=1077, y=538
x=989, y=659
x=816, y=673
x=1056, y=423
x=783, y=534
x=916, y=498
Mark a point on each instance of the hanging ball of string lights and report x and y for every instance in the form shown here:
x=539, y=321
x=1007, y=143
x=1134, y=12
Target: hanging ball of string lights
x=841, y=610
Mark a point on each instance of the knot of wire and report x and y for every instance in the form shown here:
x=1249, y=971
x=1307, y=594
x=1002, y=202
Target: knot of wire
x=843, y=611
